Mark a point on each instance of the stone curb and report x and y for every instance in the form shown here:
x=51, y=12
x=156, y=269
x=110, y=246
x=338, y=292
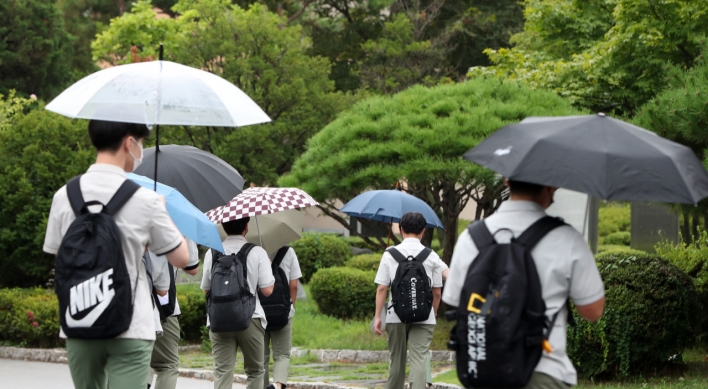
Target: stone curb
x=357, y=356
x=56, y=355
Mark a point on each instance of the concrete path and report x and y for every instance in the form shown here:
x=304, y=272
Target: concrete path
x=16, y=374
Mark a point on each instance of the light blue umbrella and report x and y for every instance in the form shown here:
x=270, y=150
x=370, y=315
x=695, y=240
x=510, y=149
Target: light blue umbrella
x=389, y=206
x=190, y=221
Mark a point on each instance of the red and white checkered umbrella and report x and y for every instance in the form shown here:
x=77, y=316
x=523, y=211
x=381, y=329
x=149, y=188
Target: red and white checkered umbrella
x=261, y=201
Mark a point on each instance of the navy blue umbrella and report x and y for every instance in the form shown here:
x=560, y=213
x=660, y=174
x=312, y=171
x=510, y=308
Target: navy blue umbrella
x=389, y=206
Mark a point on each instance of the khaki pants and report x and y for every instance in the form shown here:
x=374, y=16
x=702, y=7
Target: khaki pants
x=224, y=347
x=120, y=363
x=415, y=340
x=165, y=355
x=282, y=344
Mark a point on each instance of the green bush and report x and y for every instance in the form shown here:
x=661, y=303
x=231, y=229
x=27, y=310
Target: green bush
x=29, y=317
x=366, y=262
x=193, y=317
x=610, y=248
x=320, y=251
x=621, y=238
x=344, y=292
x=356, y=241
x=692, y=259
x=614, y=218
x=650, y=317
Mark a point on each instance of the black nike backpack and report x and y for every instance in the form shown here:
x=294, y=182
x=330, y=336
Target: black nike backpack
x=165, y=310
x=277, y=305
x=411, y=290
x=91, y=277
x=501, y=317
x=230, y=303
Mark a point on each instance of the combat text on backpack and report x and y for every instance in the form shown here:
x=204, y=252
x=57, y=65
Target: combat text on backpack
x=92, y=281
x=501, y=327
x=277, y=305
x=411, y=290
x=230, y=303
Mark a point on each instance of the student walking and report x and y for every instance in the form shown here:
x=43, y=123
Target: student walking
x=280, y=310
x=99, y=226
x=235, y=316
x=165, y=352
x=565, y=270
x=414, y=274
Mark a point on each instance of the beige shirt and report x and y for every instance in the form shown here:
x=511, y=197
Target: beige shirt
x=387, y=272
x=143, y=222
x=565, y=266
x=259, y=273
x=291, y=267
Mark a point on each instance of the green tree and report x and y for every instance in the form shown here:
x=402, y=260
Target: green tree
x=602, y=54
x=39, y=153
x=255, y=50
x=416, y=139
x=35, y=49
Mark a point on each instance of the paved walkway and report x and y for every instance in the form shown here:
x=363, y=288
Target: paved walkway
x=16, y=374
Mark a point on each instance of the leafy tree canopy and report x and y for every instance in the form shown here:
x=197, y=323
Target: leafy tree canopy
x=252, y=48
x=602, y=54
x=35, y=49
x=416, y=138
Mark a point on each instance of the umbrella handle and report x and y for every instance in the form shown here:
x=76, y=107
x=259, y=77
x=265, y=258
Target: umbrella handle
x=259, y=232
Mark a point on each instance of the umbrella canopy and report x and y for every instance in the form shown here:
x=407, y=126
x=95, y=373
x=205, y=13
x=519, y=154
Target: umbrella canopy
x=275, y=230
x=202, y=177
x=389, y=206
x=158, y=92
x=261, y=201
x=595, y=154
x=189, y=220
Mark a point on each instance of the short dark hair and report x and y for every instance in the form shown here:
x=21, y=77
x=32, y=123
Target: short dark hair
x=413, y=223
x=525, y=188
x=236, y=227
x=108, y=136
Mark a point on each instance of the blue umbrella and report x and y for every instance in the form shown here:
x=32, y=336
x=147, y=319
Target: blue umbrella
x=389, y=206
x=190, y=221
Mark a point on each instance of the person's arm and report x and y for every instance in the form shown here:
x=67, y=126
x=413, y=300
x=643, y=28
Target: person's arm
x=160, y=292
x=192, y=272
x=266, y=281
x=193, y=267
x=165, y=238
x=293, y=291
x=179, y=257
x=445, y=273
x=381, y=293
x=592, y=311
x=437, y=295
x=206, y=275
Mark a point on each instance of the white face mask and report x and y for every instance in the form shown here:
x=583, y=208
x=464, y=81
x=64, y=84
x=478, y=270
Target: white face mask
x=136, y=161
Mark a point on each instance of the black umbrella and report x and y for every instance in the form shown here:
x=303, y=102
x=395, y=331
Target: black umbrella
x=203, y=178
x=595, y=154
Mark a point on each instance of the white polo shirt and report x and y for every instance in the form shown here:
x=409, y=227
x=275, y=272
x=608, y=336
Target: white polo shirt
x=388, y=267
x=158, y=268
x=291, y=267
x=565, y=266
x=258, y=266
x=143, y=222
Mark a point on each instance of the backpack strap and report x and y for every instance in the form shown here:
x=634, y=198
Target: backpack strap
x=480, y=234
x=397, y=255
x=423, y=255
x=279, y=256
x=215, y=255
x=243, y=256
x=76, y=198
x=538, y=230
x=123, y=194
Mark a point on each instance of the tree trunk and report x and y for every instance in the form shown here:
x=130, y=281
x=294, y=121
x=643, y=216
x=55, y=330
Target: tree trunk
x=428, y=237
x=686, y=228
x=696, y=227
x=450, y=238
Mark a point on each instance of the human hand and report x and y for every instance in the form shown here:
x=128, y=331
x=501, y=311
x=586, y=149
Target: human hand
x=377, y=326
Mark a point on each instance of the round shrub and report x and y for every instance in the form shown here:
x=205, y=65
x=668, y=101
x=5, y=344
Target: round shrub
x=651, y=315
x=193, y=311
x=622, y=238
x=320, y=251
x=29, y=317
x=613, y=248
x=366, y=262
x=356, y=241
x=344, y=292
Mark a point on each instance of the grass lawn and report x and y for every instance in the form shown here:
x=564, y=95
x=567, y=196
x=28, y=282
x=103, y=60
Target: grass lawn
x=693, y=373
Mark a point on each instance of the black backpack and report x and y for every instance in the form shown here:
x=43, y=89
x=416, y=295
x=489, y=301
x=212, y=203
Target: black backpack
x=168, y=309
x=91, y=276
x=277, y=305
x=411, y=291
x=230, y=303
x=501, y=317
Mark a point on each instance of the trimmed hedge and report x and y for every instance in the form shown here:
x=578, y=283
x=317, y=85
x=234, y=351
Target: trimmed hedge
x=344, y=292
x=614, y=218
x=29, y=317
x=320, y=251
x=621, y=238
x=613, y=248
x=356, y=241
x=193, y=311
x=366, y=262
x=651, y=315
